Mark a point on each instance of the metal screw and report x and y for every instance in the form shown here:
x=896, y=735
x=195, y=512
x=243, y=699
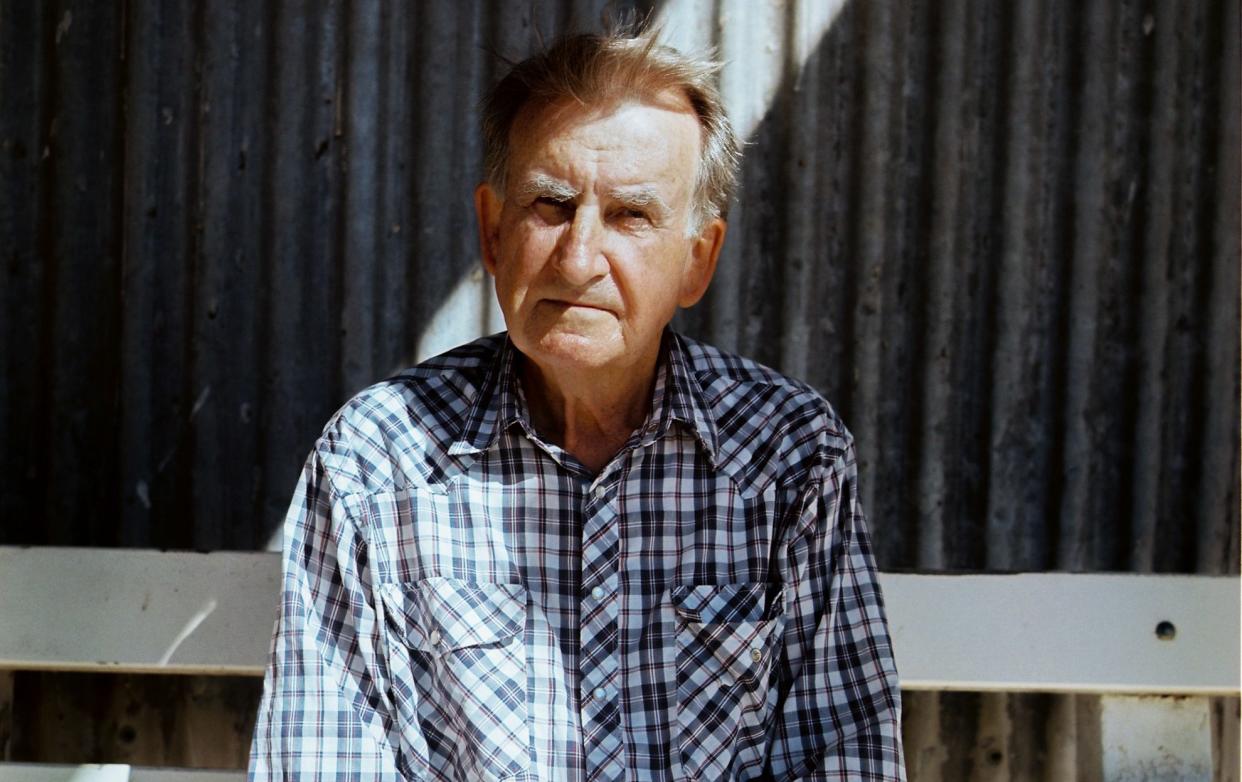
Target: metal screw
x=1165, y=631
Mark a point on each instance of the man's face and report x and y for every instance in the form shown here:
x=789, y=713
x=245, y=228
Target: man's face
x=590, y=245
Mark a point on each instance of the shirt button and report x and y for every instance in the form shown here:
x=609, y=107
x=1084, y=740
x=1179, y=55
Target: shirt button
x=598, y=593
x=756, y=654
x=435, y=638
x=599, y=492
x=600, y=692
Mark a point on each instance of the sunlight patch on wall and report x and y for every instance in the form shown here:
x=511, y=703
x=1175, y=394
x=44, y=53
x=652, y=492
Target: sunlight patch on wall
x=469, y=312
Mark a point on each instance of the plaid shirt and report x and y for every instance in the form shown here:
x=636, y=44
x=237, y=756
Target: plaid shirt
x=463, y=600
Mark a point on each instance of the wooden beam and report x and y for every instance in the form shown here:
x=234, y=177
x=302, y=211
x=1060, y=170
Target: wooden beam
x=1062, y=632
x=110, y=772
x=176, y=612
x=139, y=611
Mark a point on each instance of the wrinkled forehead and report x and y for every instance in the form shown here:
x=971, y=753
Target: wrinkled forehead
x=541, y=121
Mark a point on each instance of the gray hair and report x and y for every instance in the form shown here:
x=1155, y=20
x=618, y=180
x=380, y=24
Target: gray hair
x=627, y=60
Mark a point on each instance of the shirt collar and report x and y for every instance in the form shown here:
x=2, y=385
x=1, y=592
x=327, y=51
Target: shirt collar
x=497, y=405
x=682, y=396
x=677, y=396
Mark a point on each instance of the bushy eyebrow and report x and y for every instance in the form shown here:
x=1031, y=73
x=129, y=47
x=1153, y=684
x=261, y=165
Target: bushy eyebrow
x=544, y=186
x=631, y=196
x=643, y=196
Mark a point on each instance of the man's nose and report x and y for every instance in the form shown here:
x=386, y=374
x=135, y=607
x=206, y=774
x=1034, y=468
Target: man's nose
x=581, y=255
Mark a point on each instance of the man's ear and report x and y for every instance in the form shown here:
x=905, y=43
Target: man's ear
x=703, y=256
x=487, y=207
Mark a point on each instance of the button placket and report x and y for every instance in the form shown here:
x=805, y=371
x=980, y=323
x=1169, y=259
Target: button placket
x=598, y=661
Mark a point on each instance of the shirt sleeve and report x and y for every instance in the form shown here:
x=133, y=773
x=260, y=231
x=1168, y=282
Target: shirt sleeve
x=324, y=712
x=840, y=717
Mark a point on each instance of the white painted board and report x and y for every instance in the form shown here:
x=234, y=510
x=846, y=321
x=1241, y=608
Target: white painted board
x=177, y=612
x=136, y=610
x=110, y=772
x=1061, y=632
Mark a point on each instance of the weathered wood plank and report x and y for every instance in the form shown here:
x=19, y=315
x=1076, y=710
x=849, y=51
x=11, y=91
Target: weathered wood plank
x=136, y=610
x=6, y=713
x=1153, y=738
x=110, y=772
x=174, y=721
x=174, y=612
x=1064, y=632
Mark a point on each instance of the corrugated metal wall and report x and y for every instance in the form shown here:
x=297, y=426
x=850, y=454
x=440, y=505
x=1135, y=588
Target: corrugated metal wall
x=1002, y=237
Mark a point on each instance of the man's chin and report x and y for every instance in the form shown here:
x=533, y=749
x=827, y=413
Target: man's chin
x=572, y=350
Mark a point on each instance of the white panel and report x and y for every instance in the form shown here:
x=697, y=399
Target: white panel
x=91, y=609
x=1065, y=632
x=30, y=772
x=1155, y=739
x=39, y=772
x=176, y=612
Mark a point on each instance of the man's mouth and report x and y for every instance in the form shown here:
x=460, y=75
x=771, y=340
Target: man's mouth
x=577, y=304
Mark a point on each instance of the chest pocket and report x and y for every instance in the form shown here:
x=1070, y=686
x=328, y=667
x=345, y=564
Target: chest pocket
x=465, y=643
x=727, y=635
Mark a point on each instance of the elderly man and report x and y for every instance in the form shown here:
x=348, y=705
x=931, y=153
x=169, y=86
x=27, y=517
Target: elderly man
x=590, y=548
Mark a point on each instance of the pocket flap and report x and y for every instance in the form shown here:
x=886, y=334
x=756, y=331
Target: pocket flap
x=441, y=614
x=724, y=603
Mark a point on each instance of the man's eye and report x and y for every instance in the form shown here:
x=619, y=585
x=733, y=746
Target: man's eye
x=632, y=215
x=551, y=209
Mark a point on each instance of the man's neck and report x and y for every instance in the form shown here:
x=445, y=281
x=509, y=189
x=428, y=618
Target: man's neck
x=589, y=414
